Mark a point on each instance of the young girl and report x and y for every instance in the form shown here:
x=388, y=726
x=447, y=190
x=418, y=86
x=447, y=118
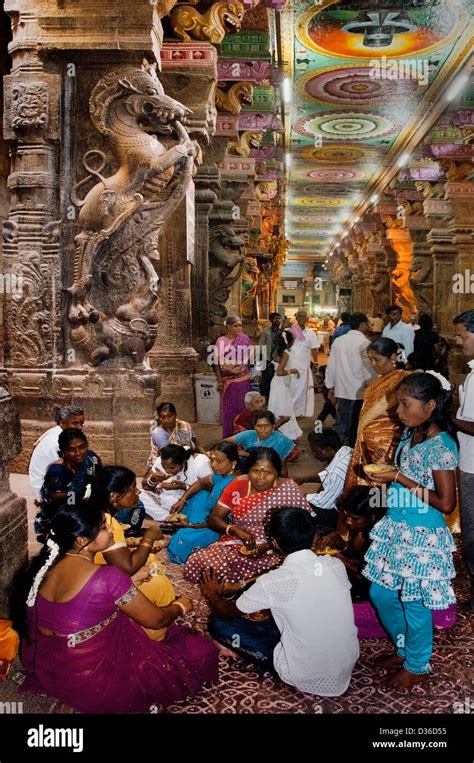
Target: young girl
x=409, y=561
x=173, y=471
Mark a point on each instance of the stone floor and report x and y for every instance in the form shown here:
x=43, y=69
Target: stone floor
x=246, y=689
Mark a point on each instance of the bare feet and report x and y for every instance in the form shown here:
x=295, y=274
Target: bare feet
x=403, y=679
x=392, y=660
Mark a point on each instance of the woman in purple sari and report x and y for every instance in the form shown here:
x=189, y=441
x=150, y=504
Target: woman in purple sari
x=232, y=370
x=78, y=620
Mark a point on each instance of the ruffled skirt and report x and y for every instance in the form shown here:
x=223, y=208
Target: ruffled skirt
x=415, y=560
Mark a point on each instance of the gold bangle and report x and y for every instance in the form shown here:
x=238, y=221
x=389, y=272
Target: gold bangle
x=145, y=544
x=228, y=528
x=180, y=605
x=397, y=475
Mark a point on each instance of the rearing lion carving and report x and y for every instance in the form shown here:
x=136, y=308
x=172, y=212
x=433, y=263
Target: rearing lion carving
x=222, y=18
x=113, y=298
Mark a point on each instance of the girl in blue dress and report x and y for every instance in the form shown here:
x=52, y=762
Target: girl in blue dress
x=409, y=561
x=198, y=502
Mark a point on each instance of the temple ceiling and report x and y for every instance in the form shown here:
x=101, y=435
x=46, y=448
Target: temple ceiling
x=369, y=78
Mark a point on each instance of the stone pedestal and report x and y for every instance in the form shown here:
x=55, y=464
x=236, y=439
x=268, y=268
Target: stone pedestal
x=439, y=238
x=13, y=516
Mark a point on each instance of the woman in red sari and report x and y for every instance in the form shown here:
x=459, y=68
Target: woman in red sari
x=232, y=370
x=241, y=516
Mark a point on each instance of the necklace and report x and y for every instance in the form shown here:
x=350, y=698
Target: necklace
x=77, y=556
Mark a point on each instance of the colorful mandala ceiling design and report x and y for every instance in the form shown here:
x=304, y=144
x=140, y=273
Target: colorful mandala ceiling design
x=351, y=125
x=331, y=175
x=354, y=87
x=365, y=72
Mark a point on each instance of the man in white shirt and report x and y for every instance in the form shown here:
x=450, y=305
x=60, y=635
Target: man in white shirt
x=326, y=446
x=312, y=641
x=304, y=350
x=45, y=450
x=347, y=374
x=464, y=422
x=400, y=332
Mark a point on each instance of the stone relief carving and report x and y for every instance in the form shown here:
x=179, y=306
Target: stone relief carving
x=112, y=310
x=225, y=268
x=402, y=288
x=29, y=106
x=220, y=19
x=239, y=94
x=379, y=285
x=29, y=313
x=421, y=281
x=249, y=288
x=248, y=140
x=430, y=190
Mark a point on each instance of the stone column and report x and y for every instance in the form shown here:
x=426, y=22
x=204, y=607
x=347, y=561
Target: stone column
x=461, y=227
x=13, y=516
x=421, y=267
x=80, y=240
x=439, y=238
x=206, y=179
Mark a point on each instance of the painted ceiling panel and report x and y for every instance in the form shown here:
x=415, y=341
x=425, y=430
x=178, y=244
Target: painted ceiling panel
x=362, y=71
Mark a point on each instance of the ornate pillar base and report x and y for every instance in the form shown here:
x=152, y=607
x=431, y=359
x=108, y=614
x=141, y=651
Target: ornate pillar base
x=13, y=517
x=118, y=407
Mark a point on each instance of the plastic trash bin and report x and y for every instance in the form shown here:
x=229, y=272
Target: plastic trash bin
x=208, y=399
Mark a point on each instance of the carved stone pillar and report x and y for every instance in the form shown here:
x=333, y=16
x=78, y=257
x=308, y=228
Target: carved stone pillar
x=13, y=517
x=206, y=179
x=421, y=267
x=439, y=238
x=461, y=227
x=80, y=240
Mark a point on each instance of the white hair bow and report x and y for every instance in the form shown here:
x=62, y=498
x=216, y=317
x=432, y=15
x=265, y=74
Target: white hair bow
x=442, y=380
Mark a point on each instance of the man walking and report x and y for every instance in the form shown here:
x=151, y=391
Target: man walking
x=304, y=351
x=347, y=374
x=464, y=423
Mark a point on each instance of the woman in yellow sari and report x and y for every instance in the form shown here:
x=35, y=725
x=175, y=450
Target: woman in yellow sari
x=115, y=488
x=379, y=429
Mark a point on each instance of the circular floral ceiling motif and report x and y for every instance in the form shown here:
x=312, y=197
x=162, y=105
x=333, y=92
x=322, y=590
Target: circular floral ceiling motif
x=351, y=125
x=354, y=86
x=338, y=29
x=319, y=201
x=341, y=154
x=331, y=174
x=308, y=219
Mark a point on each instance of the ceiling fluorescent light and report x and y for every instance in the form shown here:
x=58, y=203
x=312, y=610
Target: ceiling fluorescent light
x=457, y=86
x=374, y=198
x=287, y=159
x=403, y=159
x=286, y=90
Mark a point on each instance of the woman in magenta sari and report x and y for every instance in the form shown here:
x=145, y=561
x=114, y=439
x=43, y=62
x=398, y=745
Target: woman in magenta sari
x=233, y=372
x=83, y=627
x=241, y=516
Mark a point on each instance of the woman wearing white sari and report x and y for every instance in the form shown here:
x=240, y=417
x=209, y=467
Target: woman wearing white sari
x=280, y=401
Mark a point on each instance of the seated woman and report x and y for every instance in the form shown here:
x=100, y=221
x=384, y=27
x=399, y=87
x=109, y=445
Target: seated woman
x=169, y=431
x=198, y=502
x=115, y=489
x=264, y=435
x=361, y=512
x=83, y=627
x=311, y=642
x=241, y=516
x=171, y=474
x=254, y=402
x=68, y=479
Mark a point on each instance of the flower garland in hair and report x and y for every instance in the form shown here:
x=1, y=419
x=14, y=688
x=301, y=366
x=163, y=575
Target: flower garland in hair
x=53, y=553
x=442, y=380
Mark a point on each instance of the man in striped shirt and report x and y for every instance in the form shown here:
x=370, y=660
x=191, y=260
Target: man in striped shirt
x=326, y=446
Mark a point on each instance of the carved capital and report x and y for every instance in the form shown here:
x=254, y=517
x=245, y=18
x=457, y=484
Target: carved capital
x=31, y=107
